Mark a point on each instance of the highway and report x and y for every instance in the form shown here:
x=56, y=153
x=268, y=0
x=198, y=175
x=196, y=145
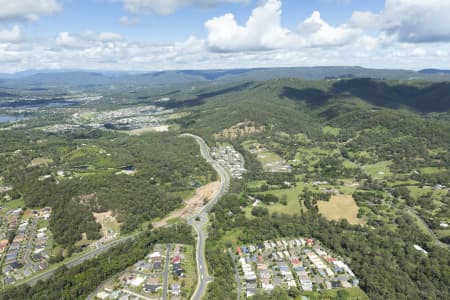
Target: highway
x=46, y=274
x=199, y=220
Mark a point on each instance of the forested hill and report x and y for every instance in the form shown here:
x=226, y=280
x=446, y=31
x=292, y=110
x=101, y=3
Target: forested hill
x=293, y=104
x=95, y=79
x=383, y=144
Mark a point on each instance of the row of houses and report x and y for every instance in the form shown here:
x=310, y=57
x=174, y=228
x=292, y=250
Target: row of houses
x=291, y=263
x=27, y=253
x=146, y=276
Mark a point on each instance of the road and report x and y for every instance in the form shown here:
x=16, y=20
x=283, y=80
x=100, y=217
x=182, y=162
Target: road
x=166, y=273
x=436, y=241
x=199, y=220
x=29, y=245
x=46, y=274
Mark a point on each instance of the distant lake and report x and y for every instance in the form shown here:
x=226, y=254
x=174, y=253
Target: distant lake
x=9, y=118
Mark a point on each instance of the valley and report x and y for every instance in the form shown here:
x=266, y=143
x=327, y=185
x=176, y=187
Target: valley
x=278, y=160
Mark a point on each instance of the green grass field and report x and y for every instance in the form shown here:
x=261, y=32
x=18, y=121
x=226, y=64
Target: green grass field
x=431, y=170
x=378, y=170
x=442, y=233
x=13, y=204
x=351, y=294
x=331, y=130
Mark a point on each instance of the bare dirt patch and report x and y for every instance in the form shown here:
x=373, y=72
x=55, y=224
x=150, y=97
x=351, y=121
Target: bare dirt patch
x=41, y=161
x=190, y=205
x=110, y=226
x=126, y=172
x=340, y=207
x=140, y=131
x=239, y=130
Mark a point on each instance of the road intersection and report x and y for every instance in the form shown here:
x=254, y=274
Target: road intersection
x=198, y=220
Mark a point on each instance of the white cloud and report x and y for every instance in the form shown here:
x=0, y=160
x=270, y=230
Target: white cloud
x=165, y=7
x=319, y=33
x=410, y=21
x=84, y=51
x=109, y=37
x=65, y=39
x=262, y=31
x=369, y=39
x=127, y=21
x=14, y=35
x=29, y=9
x=85, y=40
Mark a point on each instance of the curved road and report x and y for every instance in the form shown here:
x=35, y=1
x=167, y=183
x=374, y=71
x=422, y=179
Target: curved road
x=199, y=220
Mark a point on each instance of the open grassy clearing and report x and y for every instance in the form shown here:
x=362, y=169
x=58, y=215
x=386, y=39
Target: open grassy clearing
x=292, y=208
x=340, y=207
x=417, y=191
x=271, y=162
x=255, y=184
x=351, y=293
x=267, y=157
x=442, y=233
x=232, y=236
x=349, y=164
x=13, y=204
x=408, y=182
x=379, y=170
x=431, y=170
x=293, y=205
x=331, y=130
x=310, y=156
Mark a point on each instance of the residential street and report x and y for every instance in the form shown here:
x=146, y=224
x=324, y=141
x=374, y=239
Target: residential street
x=198, y=220
x=166, y=272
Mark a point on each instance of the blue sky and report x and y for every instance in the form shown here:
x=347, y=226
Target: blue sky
x=174, y=34
x=103, y=15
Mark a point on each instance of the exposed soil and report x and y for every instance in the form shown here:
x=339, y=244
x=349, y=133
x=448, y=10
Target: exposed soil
x=190, y=205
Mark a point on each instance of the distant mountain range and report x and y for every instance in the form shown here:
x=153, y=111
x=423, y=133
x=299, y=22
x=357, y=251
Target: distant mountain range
x=87, y=79
x=434, y=71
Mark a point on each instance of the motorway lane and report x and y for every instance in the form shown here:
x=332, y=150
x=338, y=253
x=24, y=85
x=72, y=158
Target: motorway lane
x=200, y=226
x=77, y=260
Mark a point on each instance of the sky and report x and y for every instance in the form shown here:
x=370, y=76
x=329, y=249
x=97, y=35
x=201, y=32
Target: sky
x=146, y=35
